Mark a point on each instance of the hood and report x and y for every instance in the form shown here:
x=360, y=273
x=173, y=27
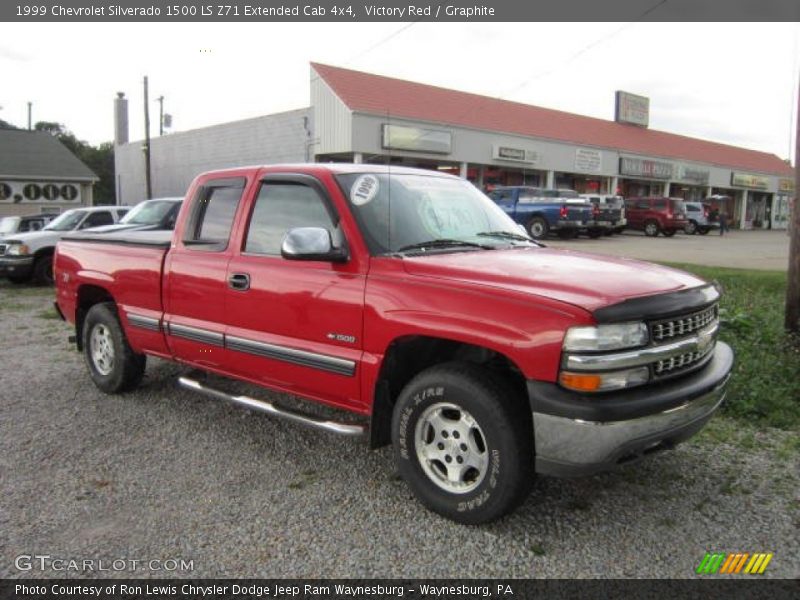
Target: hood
x=120, y=227
x=590, y=281
x=36, y=239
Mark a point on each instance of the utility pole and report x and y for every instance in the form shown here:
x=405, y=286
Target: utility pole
x=792, y=322
x=160, y=115
x=147, y=140
x=30, y=106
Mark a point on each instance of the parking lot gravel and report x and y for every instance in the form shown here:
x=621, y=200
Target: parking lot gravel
x=163, y=474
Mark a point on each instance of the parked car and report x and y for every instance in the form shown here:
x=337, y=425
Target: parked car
x=26, y=256
x=24, y=224
x=655, y=215
x=409, y=300
x=700, y=218
x=610, y=210
x=158, y=213
x=542, y=210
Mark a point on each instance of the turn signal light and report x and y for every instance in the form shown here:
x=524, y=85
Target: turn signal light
x=581, y=382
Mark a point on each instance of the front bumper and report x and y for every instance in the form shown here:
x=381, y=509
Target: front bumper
x=20, y=266
x=579, y=435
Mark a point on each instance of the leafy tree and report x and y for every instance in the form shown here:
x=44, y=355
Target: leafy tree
x=99, y=159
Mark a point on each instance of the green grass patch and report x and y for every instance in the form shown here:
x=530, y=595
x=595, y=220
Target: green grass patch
x=765, y=387
x=49, y=313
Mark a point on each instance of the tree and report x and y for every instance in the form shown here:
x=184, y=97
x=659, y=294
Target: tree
x=99, y=159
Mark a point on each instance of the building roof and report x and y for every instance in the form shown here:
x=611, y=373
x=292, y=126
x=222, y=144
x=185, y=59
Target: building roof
x=378, y=95
x=36, y=154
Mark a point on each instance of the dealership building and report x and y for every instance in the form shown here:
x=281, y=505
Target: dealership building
x=360, y=117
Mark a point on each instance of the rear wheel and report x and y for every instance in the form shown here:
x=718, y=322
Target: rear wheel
x=691, y=228
x=113, y=365
x=651, y=228
x=43, y=270
x=463, y=442
x=538, y=228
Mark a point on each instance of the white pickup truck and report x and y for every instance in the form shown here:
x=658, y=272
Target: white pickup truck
x=26, y=256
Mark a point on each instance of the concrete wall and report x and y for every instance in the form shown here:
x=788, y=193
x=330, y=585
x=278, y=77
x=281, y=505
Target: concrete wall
x=176, y=159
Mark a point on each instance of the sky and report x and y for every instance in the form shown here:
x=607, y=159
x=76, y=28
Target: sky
x=734, y=83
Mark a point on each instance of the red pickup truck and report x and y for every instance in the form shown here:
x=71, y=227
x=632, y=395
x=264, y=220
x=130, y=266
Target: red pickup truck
x=410, y=299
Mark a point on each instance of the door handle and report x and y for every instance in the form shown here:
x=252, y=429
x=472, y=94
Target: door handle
x=239, y=281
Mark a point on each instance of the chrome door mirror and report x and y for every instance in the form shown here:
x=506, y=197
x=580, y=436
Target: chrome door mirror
x=311, y=243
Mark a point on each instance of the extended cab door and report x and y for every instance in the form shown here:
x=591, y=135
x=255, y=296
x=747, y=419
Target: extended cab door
x=295, y=324
x=195, y=274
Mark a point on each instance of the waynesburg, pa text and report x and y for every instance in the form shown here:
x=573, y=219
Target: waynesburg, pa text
x=265, y=591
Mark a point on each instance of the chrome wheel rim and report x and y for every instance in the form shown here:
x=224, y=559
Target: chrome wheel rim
x=537, y=229
x=101, y=349
x=651, y=229
x=451, y=448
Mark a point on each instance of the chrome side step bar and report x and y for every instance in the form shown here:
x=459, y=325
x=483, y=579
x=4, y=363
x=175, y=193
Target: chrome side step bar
x=269, y=408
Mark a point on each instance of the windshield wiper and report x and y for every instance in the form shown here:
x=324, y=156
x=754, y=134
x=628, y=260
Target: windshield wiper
x=509, y=235
x=443, y=243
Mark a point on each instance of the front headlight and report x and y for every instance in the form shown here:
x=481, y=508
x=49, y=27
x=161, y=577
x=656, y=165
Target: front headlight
x=600, y=338
x=17, y=250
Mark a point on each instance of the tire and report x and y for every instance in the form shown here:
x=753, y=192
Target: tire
x=43, y=270
x=538, y=228
x=18, y=279
x=113, y=366
x=651, y=228
x=594, y=233
x=669, y=232
x=495, y=425
x=704, y=230
x=691, y=228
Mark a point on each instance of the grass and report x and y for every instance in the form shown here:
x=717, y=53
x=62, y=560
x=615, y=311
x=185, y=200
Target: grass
x=765, y=387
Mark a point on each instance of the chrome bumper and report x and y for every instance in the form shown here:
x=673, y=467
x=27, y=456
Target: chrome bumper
x=571, y=446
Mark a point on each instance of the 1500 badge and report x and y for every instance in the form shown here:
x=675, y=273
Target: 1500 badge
x=340, y=337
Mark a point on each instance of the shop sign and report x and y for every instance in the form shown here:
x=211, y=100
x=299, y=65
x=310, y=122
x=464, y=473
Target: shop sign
x=786, y=185
x=693, y=174
x=22, y=192
x=515, y=154
x=633, y=109
x=639, y=167
x=417, y=139
x=749, y=180
x=588, y=161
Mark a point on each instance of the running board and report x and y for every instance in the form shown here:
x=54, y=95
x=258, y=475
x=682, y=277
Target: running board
x=271, y=409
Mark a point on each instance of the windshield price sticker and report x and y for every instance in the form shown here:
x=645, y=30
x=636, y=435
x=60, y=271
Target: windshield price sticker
x=364, y=190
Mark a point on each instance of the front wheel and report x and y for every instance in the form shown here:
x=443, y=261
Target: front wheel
x=113, y=365
x=43, y=270
x=691, y=228
x=463, y=441
x=651, y=229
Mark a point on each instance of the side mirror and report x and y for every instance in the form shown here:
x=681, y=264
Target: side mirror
x=311, y=243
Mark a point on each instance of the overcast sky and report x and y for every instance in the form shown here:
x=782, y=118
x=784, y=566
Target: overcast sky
x=730, y=82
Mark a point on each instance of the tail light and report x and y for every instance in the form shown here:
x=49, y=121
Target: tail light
x=563, y=212
x=705, y=212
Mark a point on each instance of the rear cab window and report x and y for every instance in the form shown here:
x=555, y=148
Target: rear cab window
x=211, y=220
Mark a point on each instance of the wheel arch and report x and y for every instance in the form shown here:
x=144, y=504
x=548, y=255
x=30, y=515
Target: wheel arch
x=407, y=356
x=87, y=296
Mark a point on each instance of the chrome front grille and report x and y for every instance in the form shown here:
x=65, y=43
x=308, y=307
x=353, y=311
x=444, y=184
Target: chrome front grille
x=684, y=325
x=678, y=363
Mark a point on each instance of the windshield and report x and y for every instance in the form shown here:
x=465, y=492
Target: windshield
x=66, y=222
x=149, y=212
x=401, y=210
x=8, y=225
